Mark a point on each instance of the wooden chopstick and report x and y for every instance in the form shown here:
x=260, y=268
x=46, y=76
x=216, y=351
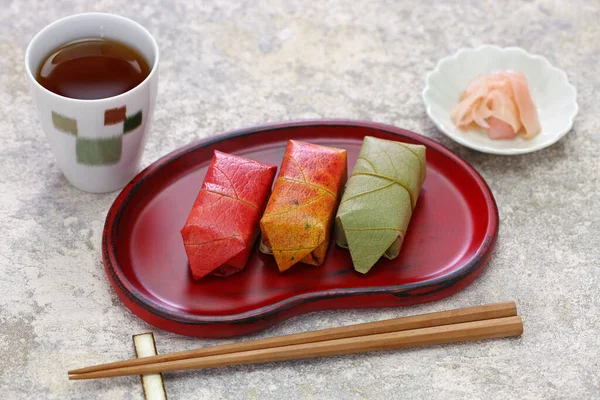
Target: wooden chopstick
x=468, y=314
x=476, y=313
x=468, y=331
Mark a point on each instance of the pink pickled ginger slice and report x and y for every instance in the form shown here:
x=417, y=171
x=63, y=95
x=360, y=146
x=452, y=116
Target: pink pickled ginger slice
x=503, y=108
x=500, y=103
x=500, y=129
x=525, y=105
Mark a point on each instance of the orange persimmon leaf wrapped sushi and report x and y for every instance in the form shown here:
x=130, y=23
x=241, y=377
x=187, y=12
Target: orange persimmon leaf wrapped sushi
x=297, y=223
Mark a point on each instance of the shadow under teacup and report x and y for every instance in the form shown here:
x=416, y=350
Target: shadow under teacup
x=98, y=144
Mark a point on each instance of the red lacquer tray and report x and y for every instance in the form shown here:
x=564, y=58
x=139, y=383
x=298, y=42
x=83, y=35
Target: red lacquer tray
x=449, y=240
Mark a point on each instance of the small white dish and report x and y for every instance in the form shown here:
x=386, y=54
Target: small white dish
x=555, y=98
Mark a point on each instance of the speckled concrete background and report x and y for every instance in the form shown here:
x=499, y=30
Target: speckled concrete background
x=229, y=64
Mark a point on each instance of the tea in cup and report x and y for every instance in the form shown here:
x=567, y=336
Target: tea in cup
x=94, y=79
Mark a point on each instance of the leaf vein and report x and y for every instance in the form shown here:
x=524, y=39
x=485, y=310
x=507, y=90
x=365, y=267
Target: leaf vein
x=297, y=165
x=297, y=207
x=389, y=179
x=306, y=183
x=374, y=229
x=231, y=197
x=298, y=249
x=420, y=162
x=369, y=161
x=218, y=240
x=367, y=192
x=228, y=179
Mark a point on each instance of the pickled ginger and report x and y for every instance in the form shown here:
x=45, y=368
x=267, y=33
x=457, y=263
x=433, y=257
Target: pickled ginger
x=499, y=103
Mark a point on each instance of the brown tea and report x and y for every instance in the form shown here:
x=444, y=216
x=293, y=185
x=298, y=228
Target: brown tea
x=92, y=68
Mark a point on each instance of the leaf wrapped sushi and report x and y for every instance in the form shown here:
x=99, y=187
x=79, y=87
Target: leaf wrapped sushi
x=379, y=200
x=297, y=223
x=224, y=221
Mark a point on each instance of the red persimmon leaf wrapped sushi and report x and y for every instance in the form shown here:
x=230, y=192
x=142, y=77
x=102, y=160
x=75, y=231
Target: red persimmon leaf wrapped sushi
x=224, y=221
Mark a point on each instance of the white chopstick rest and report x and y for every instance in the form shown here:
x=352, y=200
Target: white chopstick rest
x=153, y=384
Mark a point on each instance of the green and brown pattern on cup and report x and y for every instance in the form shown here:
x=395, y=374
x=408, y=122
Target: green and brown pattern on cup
x=99, y=151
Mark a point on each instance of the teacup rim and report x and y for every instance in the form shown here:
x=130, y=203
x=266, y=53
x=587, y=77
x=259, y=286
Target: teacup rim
x=46, y=28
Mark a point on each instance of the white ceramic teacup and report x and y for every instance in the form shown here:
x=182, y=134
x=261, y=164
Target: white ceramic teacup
x=98, y=144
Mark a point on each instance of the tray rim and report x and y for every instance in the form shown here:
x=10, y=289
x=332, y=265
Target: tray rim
x=121, y=283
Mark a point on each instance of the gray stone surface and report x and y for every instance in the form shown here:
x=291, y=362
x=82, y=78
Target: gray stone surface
x=230, y=64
